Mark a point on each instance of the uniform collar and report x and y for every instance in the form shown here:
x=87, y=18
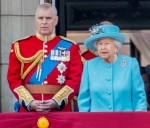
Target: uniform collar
x=49, y=37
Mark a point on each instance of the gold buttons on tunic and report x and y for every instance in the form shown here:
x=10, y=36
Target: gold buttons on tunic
x=12, y=50
x=45, y=56
x=45, y=82
x=45, y=51
x=45, y=46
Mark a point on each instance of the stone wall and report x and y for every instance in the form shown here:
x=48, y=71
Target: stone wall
x=16, y=21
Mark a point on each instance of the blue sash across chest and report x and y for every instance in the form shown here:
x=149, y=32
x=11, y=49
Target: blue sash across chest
x=48, y=65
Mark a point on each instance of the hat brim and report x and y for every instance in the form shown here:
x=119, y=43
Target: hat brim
x=89, y=43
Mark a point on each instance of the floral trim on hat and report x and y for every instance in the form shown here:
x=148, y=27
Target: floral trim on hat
x=96, y=29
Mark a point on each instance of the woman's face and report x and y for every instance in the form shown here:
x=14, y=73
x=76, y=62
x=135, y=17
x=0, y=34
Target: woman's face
x=106, y=49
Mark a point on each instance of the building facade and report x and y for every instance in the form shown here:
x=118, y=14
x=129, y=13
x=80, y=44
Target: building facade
x=17, y=21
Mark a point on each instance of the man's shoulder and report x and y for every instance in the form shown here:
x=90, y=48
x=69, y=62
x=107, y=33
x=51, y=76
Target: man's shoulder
x=68, y=40
x=24, y=38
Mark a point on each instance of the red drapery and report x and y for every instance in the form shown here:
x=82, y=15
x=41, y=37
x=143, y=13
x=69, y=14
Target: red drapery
x=77, y=120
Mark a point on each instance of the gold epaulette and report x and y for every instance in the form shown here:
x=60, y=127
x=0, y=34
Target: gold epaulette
x=35, y=59
x=64, y=38
x=86, y=49
x=63, y=94
x=24, y=95
x=83, y=60
x=23, y=38
x=94, y=52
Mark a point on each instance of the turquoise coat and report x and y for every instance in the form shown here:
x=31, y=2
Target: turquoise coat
x=107, y=87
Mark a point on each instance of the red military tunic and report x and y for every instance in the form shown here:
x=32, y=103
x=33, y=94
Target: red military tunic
x=87, y=54
x=25, y=59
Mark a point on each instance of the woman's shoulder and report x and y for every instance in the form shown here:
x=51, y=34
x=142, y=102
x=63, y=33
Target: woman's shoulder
x=93, y=62
x=128, y=59
x=125, y=57
x=96, y=59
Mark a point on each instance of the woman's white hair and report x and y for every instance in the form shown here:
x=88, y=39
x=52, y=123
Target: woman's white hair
x=118, y=44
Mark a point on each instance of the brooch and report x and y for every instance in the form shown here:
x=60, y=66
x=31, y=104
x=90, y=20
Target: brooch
x=123, y=62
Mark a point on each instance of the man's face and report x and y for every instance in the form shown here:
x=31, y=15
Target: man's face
x=45, y=21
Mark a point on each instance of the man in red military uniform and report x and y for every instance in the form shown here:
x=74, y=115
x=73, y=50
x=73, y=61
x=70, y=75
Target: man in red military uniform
x=44, y=70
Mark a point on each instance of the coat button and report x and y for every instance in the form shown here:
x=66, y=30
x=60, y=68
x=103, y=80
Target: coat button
x=45, y=51
x=45, y=56
x=108, y=66
x=108, y=93
x=45, y=82
x=108, y=79
x=109, y=107
x=45, y=46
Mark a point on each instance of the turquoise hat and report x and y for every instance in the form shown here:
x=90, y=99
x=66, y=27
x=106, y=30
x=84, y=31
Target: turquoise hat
x=103, y=31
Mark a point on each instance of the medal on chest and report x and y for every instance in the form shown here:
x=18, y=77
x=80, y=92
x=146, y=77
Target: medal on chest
x=61, y=68
x=60, y=55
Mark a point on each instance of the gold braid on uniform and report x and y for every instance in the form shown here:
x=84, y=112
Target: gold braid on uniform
x=24, y=96
x=83, y=60
x=35, y=59
x=84, y=51
x=64, y=38
x=61, y=97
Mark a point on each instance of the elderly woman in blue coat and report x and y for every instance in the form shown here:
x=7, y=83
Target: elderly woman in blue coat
x=110, y=82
